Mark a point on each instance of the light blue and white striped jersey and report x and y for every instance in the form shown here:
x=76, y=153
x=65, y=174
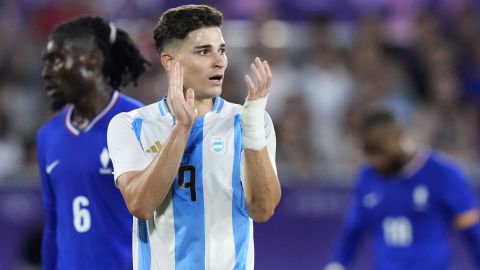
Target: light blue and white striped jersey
x=203, y=223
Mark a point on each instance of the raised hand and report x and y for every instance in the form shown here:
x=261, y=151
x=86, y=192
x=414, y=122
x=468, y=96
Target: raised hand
x=253, y=119
x=181, y=106
x=263, y=79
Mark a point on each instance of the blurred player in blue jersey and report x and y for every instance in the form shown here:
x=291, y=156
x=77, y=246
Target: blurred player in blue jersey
x=193, y=168
x=88, y=225
x=408, y=198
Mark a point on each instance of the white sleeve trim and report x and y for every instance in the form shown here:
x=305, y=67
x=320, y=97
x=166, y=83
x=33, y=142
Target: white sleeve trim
x=125, y=150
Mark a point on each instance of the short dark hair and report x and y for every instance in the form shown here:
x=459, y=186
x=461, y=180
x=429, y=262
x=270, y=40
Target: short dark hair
x=123, y=62
x=176, y=23
x=376, y=117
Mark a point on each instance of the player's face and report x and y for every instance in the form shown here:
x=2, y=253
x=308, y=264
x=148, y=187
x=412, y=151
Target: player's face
x=66, y=72
x=202, y=55
x=382, y=147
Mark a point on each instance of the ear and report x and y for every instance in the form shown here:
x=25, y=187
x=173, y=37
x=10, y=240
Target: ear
x=394, y=135
x=398, y=134
x=95, y=59
x=166, y=60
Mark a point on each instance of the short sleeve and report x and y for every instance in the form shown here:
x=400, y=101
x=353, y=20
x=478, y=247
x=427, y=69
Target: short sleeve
x=457, y=193
x=124, y=144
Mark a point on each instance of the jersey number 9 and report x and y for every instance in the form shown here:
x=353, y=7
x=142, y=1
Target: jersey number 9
x=187, y=172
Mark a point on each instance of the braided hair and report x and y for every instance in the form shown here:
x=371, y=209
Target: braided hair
x=123, y=62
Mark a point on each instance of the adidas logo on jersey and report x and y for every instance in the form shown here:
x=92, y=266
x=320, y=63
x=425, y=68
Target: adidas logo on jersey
x=154, y=148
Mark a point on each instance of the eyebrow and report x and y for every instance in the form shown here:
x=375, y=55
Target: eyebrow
x=208, y=46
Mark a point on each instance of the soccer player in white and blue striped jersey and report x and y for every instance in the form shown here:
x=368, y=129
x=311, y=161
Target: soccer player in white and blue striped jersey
x=194, y=169
x=88, y=225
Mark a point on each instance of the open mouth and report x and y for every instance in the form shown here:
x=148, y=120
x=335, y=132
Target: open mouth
x=216, y=78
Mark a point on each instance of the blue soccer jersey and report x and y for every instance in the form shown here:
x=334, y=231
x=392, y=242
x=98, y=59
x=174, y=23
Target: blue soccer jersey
x=409, y=215
x=88, y=225
x=203, y=222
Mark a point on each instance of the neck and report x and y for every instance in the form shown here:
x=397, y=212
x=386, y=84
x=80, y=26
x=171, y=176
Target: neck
x=409, y=149
x=203, y=106
x=92, y=103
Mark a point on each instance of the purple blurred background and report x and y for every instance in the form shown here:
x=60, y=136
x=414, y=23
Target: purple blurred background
x=329, y=59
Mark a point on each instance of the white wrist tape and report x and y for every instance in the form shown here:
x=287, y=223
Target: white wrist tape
x=253, y=124
x=334, y=266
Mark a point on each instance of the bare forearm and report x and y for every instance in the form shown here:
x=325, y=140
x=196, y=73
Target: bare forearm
x=262, y=186
x=145, y=190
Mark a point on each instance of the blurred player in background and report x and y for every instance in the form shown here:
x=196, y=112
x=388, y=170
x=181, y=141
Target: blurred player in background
x=88, y=226
x=193, y=168
x=408, y=198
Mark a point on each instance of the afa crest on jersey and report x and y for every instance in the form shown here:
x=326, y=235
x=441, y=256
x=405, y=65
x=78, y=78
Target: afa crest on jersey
x=218, y=145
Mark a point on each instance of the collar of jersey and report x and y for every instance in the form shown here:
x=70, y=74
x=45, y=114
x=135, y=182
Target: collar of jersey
x=165, y=111
x=417, y=162
x=75, y=131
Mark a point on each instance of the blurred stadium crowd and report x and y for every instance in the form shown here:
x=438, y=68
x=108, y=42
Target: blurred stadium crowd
x=330, y=59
